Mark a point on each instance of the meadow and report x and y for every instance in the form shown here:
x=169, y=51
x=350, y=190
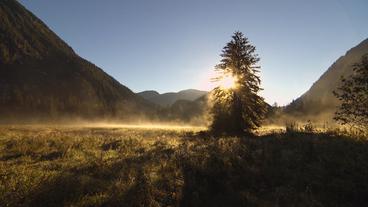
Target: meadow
x=169, y=166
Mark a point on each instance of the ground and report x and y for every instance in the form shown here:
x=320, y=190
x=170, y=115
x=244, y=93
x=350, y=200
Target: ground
x=117, y=165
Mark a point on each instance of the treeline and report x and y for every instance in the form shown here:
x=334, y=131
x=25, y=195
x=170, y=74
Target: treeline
x=54, y=87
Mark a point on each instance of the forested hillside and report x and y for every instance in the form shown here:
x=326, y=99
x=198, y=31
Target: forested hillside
x=41, y=76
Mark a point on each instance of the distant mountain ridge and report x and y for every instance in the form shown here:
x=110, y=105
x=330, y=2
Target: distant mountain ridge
x=148, y=94
x=168, y=99
x=319, y=98
x=40, y=75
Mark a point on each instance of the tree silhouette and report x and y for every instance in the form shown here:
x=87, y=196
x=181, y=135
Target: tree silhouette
x=353, y=94
x=239, y=108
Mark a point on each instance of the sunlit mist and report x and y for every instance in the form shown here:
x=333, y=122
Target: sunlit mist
x=227, y=82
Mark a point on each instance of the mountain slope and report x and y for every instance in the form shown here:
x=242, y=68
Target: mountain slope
x=189, y=111
x=41, y=76
x=148, y=94
x=319, y=98
x=168, y=99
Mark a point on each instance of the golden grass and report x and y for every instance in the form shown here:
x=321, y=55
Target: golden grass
x=114, y=165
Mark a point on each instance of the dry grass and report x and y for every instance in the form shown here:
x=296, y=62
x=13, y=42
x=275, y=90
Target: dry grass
x=152, y=166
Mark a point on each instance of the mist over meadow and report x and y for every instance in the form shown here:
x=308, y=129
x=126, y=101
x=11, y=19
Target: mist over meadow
x=156, y=106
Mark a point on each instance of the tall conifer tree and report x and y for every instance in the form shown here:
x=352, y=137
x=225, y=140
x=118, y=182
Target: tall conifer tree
x=238, y=109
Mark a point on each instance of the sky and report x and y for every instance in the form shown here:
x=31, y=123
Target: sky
x=171, y=45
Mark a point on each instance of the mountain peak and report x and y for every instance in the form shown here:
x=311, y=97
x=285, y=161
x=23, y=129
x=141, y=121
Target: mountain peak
x=192, y=91
x=41, y=76
x=148, y=94
x=167, y=99
x=319, y=98
x=24, y=36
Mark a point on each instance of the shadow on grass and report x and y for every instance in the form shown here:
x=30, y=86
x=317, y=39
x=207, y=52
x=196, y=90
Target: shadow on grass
x=124, y=182
x=299, y=169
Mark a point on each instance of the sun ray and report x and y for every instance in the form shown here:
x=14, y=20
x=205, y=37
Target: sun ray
x=227, y=82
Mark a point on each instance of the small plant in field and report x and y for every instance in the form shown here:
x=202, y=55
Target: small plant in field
x=309, y=127
x=291, y=127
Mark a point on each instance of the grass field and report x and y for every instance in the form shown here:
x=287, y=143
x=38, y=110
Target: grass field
x=168, y=166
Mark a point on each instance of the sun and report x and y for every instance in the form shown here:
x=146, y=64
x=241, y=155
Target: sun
x=227, y=82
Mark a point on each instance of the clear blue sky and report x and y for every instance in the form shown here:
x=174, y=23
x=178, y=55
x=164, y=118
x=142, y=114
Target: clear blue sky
x=170, y=45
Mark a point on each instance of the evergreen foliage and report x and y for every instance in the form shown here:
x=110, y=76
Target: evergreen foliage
x=353, y=94
x=238, y=109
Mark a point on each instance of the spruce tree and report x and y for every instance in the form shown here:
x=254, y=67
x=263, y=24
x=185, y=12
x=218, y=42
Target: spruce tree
x=238, y=109
x=353, y=94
